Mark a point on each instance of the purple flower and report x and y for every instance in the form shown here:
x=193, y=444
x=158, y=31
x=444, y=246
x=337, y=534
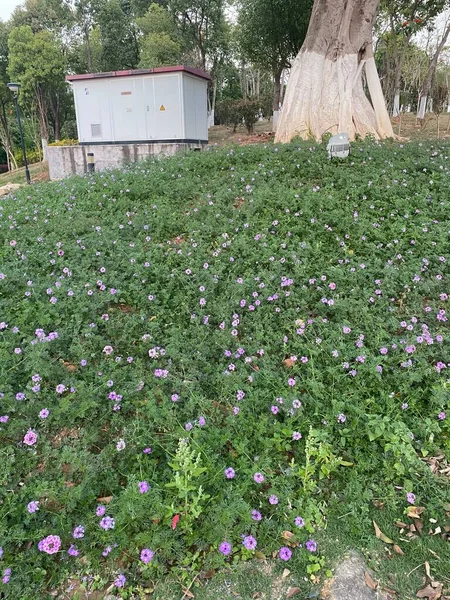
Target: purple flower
x=107, y=523
x=341, y=418
x=120, y=445
x=225, y=548
x=50, y=544
x=121, y=580
x=299, y=521
x=43, y=414
x=174, y=397
x=311, y=545
x=291, y=381
x=296, y=436
x=147, y=451
x=249, y=542
x=274, y=409
x=78, y=532
x=147, y=555
x=256, y=515
x=230, y=473
x=188, y=426
x=346, y=329
x=33, y=506
x=285, y=553
x=273, y=499
x=404, y=405
x=410, y=349
x=143, y=487
x=30, y=438
x=100, y=511
x=383, y=350
x=4, y=419
x=60, y=388
x=258, y=477
x=411, y=497
x=108, y=350
x=20, y=396
x=202, y=421
x=442, y=416
x=73, y=551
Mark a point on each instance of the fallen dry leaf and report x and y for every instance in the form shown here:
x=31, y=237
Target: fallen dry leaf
x=398, y=550
x=286, y=573
x=188, y=594
x=427, y=570
x=430, y=592
x=105, y=499
x=293, y=591
x=289, y=363
x=70, y=367
x=209, y=574
x=380, y=535
x=290, y=538
x=414, y=512
x=401, y=524
x=437, y=531
x=419, y=525
x=370, y=582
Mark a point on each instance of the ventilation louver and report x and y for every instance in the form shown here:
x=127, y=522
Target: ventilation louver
x=96, y=130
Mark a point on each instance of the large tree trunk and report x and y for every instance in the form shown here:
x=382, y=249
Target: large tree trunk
x=426, y=87
x=325, y=91
x=87, y=37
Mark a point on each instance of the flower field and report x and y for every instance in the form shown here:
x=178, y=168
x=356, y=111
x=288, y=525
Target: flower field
x=198, y=356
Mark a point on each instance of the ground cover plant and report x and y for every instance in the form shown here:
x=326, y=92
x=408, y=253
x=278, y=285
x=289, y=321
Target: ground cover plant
x=202, y=357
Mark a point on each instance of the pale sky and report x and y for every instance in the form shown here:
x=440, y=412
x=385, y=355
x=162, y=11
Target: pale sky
x=6, y=8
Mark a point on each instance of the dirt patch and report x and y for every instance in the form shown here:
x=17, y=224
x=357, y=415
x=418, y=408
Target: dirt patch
x=64, y=434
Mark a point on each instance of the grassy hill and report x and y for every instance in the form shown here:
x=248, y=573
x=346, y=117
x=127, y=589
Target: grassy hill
x=201, y=354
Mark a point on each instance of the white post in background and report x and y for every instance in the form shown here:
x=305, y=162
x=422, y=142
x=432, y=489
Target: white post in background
x=396, y=109
x=44, y=149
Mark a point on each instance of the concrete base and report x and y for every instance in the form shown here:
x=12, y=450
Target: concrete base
x=64, y=161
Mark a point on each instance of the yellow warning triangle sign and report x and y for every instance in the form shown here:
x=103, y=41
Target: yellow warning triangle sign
x=162, y=107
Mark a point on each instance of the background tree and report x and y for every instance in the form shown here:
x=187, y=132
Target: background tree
x=271, y=33
x=431, y=72
x=325, y=90
x=161, y=43
x=405, y=18
x=37, y=63
x=118, y=34
x=5, y=99
x=201, y=23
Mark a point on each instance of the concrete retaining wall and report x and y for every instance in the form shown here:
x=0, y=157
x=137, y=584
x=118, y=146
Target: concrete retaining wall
x=64, y=161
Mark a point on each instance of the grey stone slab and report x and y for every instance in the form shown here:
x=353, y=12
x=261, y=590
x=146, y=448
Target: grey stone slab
x=349, y=581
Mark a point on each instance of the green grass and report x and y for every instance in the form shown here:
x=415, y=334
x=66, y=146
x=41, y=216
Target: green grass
x=38, y=172
x=260, y=309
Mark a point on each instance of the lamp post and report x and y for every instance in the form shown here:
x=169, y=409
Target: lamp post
x=14, y=88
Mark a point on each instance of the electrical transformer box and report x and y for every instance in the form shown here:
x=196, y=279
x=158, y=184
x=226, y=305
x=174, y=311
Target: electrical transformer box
x=164, y=104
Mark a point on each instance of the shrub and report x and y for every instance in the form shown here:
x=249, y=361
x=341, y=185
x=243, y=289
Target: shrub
x=65, y=142
x=33, y=156
x=249, y=111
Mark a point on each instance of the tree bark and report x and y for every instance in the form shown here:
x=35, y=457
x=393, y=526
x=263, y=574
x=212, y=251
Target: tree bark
x=277, y=72
x=325, y=91
x=426, y=87
x=88, y=47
